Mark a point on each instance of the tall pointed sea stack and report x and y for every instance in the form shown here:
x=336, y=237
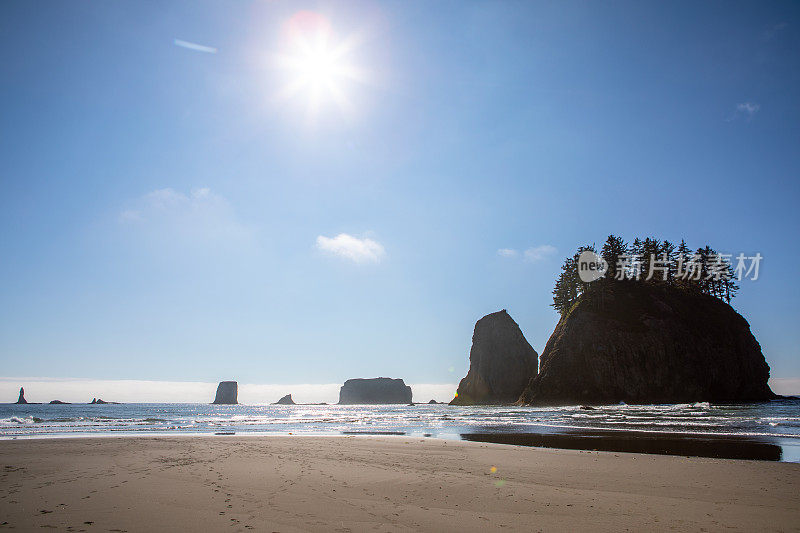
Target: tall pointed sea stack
x=501, y=362
x=227, y=393
x=21, y=398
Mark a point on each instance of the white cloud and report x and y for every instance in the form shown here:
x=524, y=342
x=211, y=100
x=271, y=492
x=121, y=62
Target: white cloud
x=507, y=252
x=538, y=253
x=38, y=389
x=749, y=108
x=200, y=215
x=746, y=110
x=348, y=247
x=531, y=255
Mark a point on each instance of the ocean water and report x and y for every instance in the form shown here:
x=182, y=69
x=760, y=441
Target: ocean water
x=777, y=422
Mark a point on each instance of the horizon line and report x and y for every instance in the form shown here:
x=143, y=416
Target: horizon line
x=40, y=389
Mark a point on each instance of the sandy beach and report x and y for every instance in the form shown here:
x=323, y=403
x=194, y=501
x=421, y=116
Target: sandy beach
x=231, y=483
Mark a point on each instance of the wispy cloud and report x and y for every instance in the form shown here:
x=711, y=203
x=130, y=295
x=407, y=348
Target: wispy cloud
x=352, y=248
x=538, y=253
x=748, y=108
x=507, y=252
x=198, y=215
x=744, y=110
x=195, y=46
x=533, y=254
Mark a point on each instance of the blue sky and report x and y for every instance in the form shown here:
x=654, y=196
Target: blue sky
x=165, y=215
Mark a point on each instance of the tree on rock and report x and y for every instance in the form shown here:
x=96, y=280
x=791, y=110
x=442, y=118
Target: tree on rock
x=613, y=248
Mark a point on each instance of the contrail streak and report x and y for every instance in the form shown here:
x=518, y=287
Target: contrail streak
x=195, y=46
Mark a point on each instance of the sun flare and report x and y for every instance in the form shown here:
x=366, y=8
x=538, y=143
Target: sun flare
x=318, y=66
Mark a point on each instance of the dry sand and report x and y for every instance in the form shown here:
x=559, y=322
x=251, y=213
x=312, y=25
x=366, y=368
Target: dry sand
x=295, y=483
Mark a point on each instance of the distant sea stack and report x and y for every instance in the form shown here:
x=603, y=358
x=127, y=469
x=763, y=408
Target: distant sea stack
x=642, y=343
x=374, y=391
x=21, y=398
x=501, y=363
x=100, y=401
x=227, y=393
x=286, y=400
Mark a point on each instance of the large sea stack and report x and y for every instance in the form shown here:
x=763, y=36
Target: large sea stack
x=227, y=393
x=374, y=391
x=643, y=343
x=501, y=363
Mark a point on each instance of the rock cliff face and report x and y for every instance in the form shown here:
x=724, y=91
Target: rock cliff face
x=501, y=362
x=286, y=400
x=640, y=343
x=227, y=393
x=374, y=391
x=21, y=398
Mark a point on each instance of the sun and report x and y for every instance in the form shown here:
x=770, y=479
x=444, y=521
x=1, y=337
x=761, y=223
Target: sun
x=319, y=68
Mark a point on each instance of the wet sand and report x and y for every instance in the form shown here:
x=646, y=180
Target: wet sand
x=233, y=483
x=720, y=447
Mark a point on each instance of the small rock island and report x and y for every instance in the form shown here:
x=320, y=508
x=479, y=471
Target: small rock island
x=286, y=400
x=374, y=391
x=227, y=393
x=100, y=401
x=501, y=362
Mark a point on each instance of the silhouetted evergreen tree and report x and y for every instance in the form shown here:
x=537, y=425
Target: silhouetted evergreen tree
x=700, y=281
x=682, y=256
x=612, y=249
x=668, y=252
x=635, y=250
x=651, y=252
x=566, y=290
x=719, y=276
x=729, y=286
x=582, y=285
x=704, y=270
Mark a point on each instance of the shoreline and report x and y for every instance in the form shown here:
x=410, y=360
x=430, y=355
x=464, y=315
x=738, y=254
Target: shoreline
x=353, y=483
x=694, y=445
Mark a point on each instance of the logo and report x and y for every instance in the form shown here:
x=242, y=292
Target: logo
x=591, y=266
